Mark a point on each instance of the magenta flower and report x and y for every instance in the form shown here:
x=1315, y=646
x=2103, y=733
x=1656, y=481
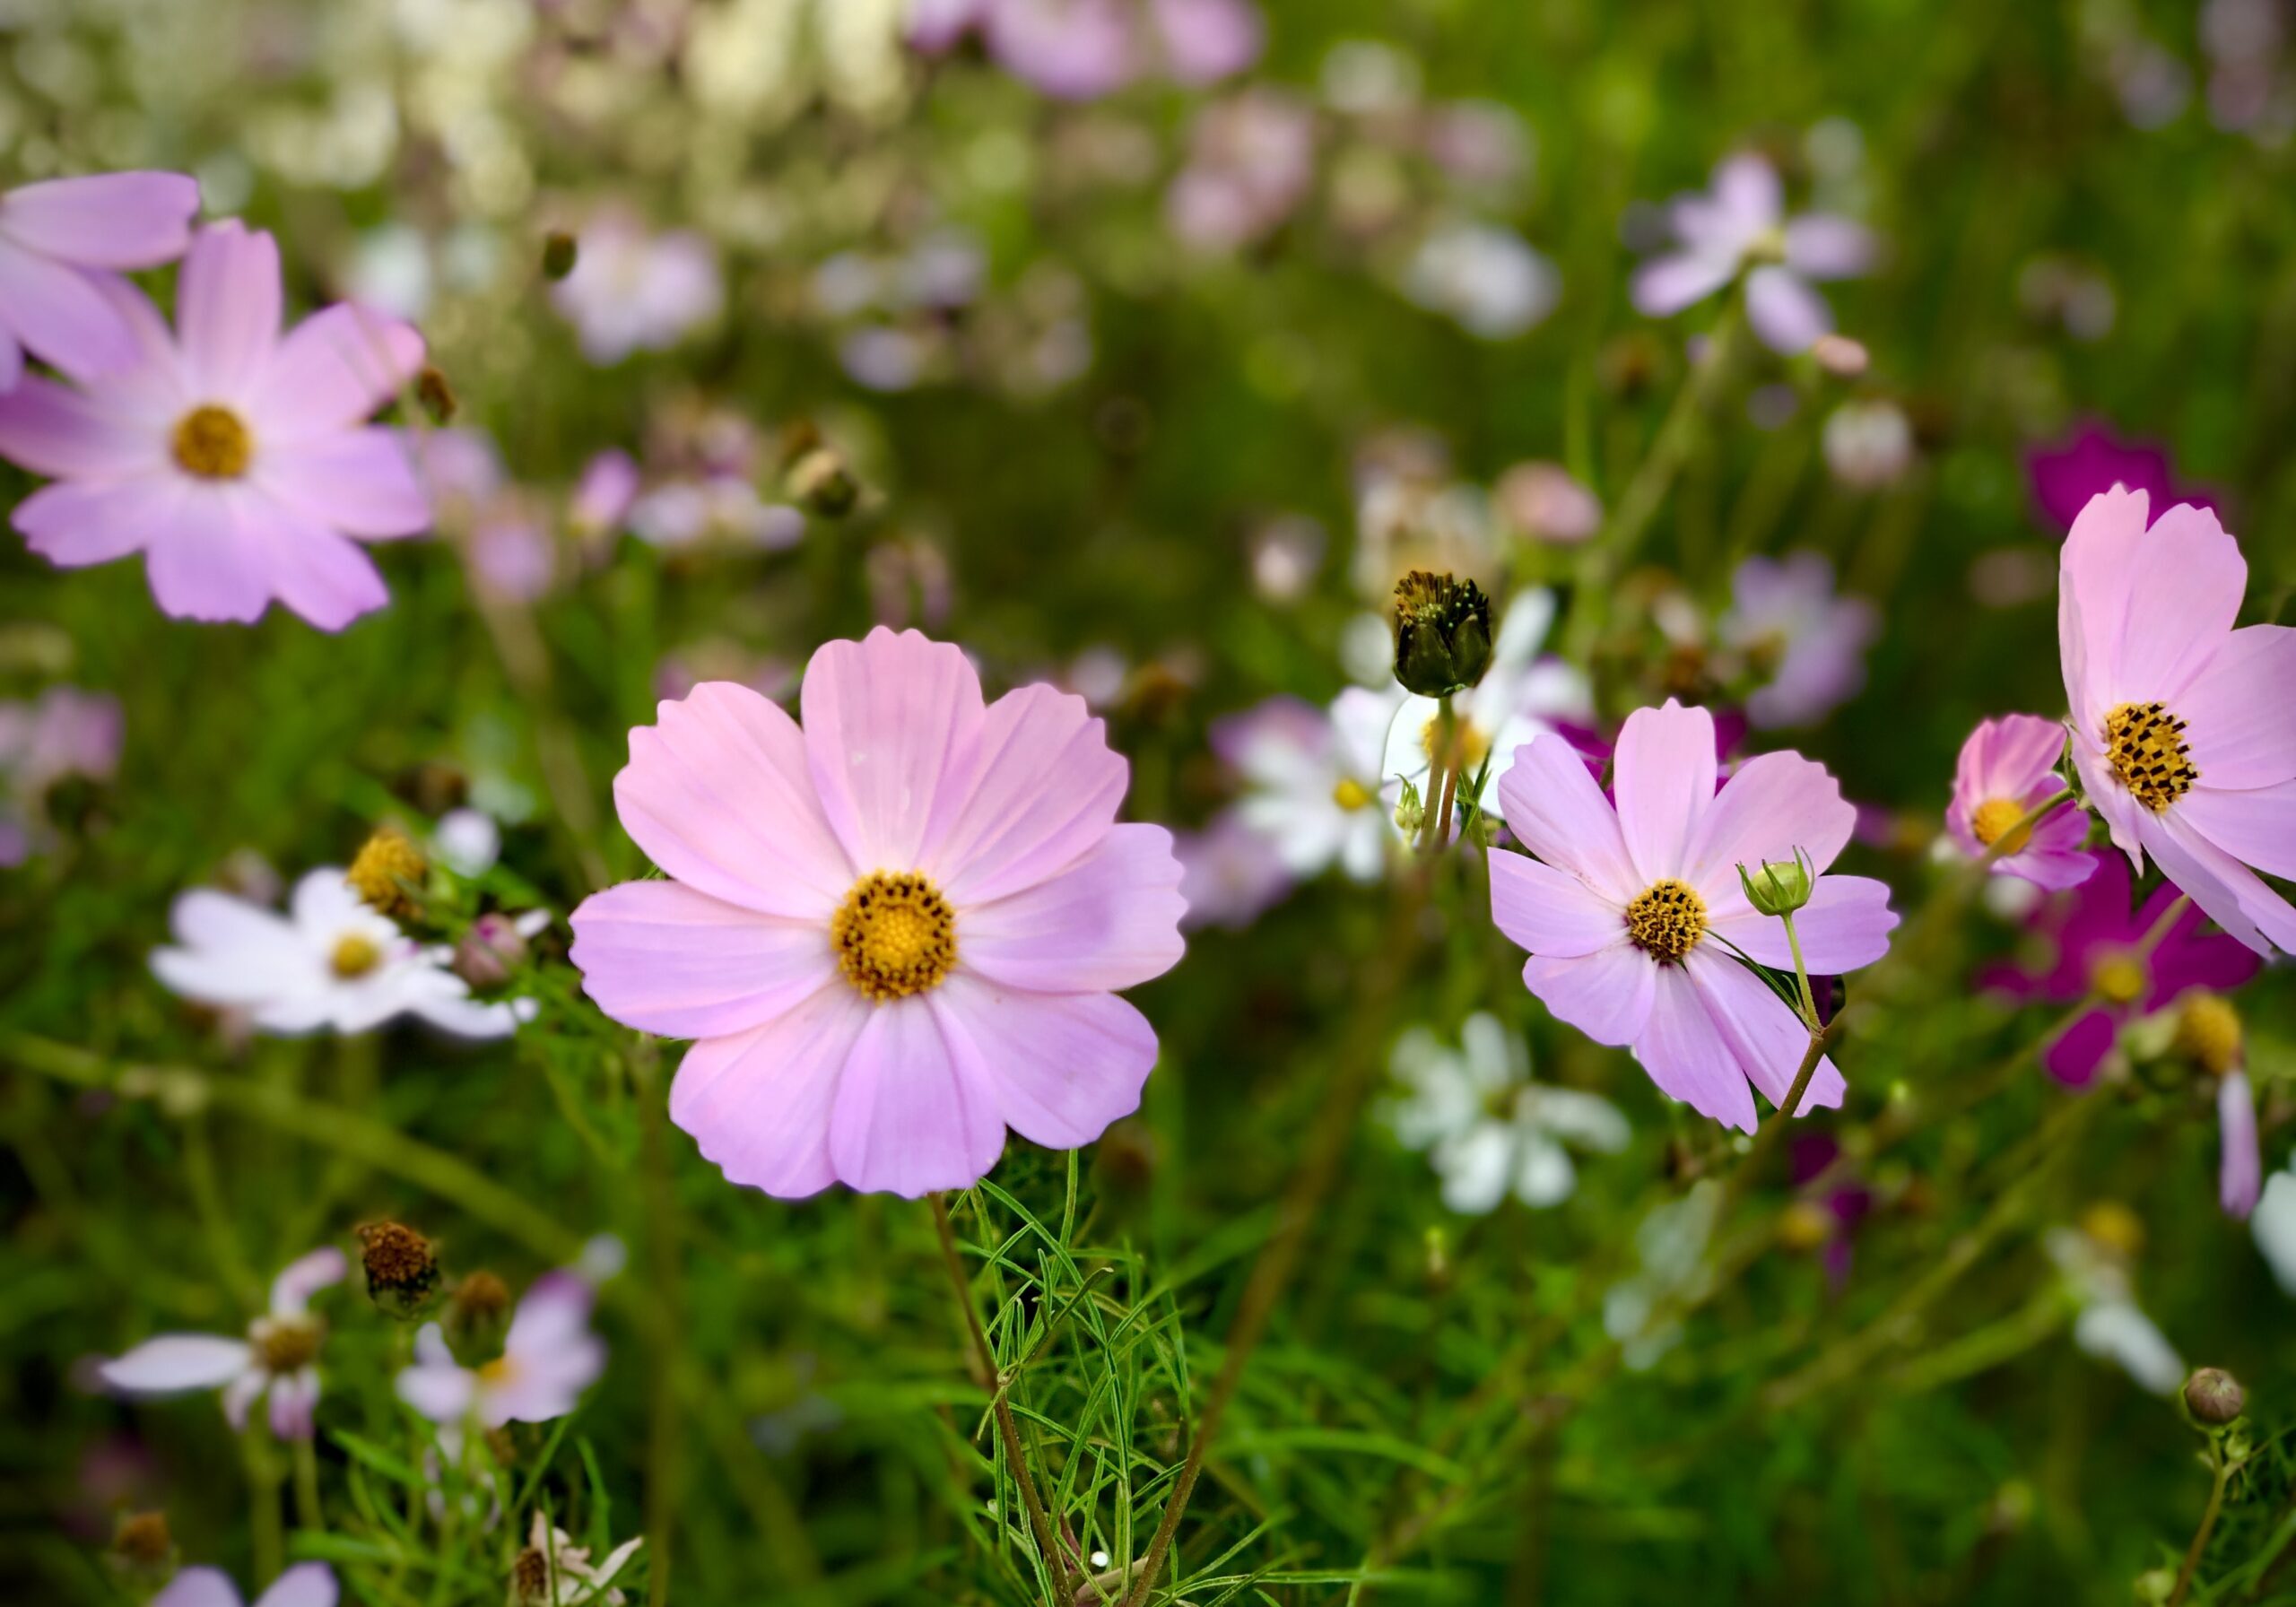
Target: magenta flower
x=1741, y=221
x=2092, y=939
x=236, y=461
x=2008, y=766
x=895, y=932
x=59, y=241
x=1618, y=908
x=2091, y=460
x=2183, y=728
x=278, y=1356
x=548, y=1358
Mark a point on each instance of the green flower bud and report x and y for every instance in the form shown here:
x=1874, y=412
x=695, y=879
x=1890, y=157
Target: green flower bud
x=2214, y=1397
x=1781, y=889
x=1442, y=633
x=558, y=254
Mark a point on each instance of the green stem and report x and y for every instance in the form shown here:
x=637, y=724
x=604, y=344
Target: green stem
x=664, y=1440
x=2208, y=1526
x=307, y=1513
x=1809, y=1006
x=260, y=1459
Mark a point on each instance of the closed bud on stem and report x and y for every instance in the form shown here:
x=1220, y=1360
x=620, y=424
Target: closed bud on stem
x=491, y=951
x=437, y=396
x=558, y=255
x=2214, y=1397
x=1779, y=887
x=478, y=1306
x=1442, y=633
x=819, y=482
x=401, y=1265
x=141, y=1543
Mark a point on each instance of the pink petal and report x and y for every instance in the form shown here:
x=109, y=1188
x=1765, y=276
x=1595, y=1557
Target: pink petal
x=2113, y=803
x=1664, y=777
x=199, y=1587
x=305, y=1584
x=1767, y=1037
x=891, y=724
x=1665, y=285
x=2257, y=826
x=1555, y=810
x=1111, y=922
x=2096, y=570
x=1686, y=1055
x=1845, y=925
x=910, y=1117
x=663, y=958
x=304, y=1277
x=12, y=358
x=227, y=308
x=1605, y=994
x=68, y=435
x=442, y=1393
x=208, y=565
x=1044, y=791
x=359, y=482
x=2227, y=891
x=319, y=575
x=718, y=795
x=332, y=369
x=105, y=220
x=175, y=1362
x=1206, y=40
x=2240, y=721
x=2074, y=1054
x=2240, y=1172
x=294, y=1405
x=59, y=313
x=2181, y=604
x=759, y=1103
x=1772, y=804
x=553, y=1320
x=1747, y=187
x=1786, y=312
x=2056, y=858
x=73, y=524
x=1549, y=913
x=1823, y=247
x=241, y=1394
x=1062, y=1066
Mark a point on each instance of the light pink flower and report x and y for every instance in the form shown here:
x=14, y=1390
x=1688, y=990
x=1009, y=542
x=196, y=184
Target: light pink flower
x=1742, y=220
x=603, y=496
x=2007, y=767
x=1081, y=50
x=1787, y=618
x=894, y=932
x=2239, y=1175
x=1230, y=874
x=305, y=1584
x=279, y=1355
x=631, y=291
x=59, y=241
x=1627, y=909
x=1544, y=501
x=236, y=461
x=548, y=1358
x=65, y=732
x=2183, y=729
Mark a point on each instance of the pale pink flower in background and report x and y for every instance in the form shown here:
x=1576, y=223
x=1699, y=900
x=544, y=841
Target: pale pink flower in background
x=721, y=508
x=1487, y=280
x=278, y=1356
x=2184, y=728
x=1229, y=874
x=2008, y=766
x=305, y=1584
x=1251, y=158
x=1807, y=641
x=1204, y=41
x=330, y=963
x=548, y=1358
x=1741, y=221
x=896, y=931
x=1316, y=793
x=1544, y=501
x=631, y=291
x=236, y=461
x=1081, y=50
x=63, y=733
x=57, y=238
x=603, y=496
x=1628, y=907
x=2240, y=1177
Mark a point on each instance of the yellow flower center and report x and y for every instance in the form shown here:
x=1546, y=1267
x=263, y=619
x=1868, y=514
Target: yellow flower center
x=2145, y=744
x=285, y=1343
x=1996, y=819
x=2208, y=1032
x=1350, y=793
x=498, y=1372
x=1667, y=920
x=2115, y=1227
x=388, y=872
x=2118, y=977
x=213, y=443
x=1467, y=739
x=894, y=935
x=354, y=956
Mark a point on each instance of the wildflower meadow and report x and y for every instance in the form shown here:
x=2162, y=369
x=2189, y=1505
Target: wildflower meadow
x=1106, y=803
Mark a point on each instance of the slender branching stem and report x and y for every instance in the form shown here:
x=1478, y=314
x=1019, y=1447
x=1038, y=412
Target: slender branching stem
x=2193, y=1553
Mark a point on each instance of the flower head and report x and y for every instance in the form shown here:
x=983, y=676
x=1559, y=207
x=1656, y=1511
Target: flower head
x=2093, y=460
x=2183, y=728
x=237, y=461
x=552, y=1571
x=895, y=932
x=1314, y=791
x=2008, y=766
x=548, y=1358
x=65, y=732
x=1808, y=641
x=330, y=963
x=305, y=1584
x=279, y=1355
x=1631, y=909
x=60, y=242
x=631, y=291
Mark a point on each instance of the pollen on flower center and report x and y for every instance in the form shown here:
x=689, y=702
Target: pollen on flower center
x=498, y=1372
x=894, y=935
x=2118, y=977
x=285, y=1343
x=213, y=443
x=354, y=956
x=2145, y=744
x=1350, y=793
x=1667, y=920
x=2208, y=1032
x=1997, y=817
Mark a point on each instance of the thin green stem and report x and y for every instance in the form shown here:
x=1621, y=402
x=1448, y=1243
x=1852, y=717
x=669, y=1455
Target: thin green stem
x=307, y=1511
x=260, y=1459
x=2208, y=1527
x=664, y=1438
x=1809, y=1003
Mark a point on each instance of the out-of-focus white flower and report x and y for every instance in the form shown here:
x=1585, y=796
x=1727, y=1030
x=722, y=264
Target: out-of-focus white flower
x=1640, y=1311
x=1486, y=279
x=2273, y=1222
x=1313, y=786
x=278, y=1356
x=467, y=841
x=548, y=1358
x=1868, y=444
x=2110, y=1325
x=553, y=1571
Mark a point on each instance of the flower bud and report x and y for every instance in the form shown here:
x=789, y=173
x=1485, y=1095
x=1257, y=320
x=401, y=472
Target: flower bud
x=1442, y=633
x=2214, y=1397
x=2208, y=1032
x=820, y=481
x=479, y=1305
x=388, y=872
x=436, y=395
x=142, y=1544
x=558, y=255
x=1781, y=888
x=491, y=951
x=401, y=1265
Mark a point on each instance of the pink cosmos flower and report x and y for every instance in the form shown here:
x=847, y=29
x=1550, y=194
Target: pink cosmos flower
x=236, y=461
x=279, y=1355
x=1619, y=907
x=631, y=291
x=59, y=241
x=548, y=1358
x=1251, y=159
x=603, y=496
x=65, y=732
x=2183, y=728
x=1787, y=618
x=2008, y=766
x=2092, y=459
x=305, y=1584
x=1740, y=221
x=1229, y=874
x=894, y=932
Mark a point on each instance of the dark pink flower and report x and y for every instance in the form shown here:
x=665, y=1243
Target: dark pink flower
x=2092, y=460
x=2008, y=766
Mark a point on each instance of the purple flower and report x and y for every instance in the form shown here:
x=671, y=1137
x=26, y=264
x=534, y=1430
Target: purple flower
x=236, y=461
x=1740, y=221
x=548, y=1358
x=1250, y=159
x=2092, y=460
x=603, y=496
x=306, y=1584
x=1229, y=874
x=279, y=1355
x=2008, y=766
x=59, y=241
x=1787, y=619
x=632, y=291
x=67, y=732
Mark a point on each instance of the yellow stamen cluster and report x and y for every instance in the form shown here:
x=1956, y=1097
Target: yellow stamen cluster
x=353, y=956
x=894, y=935
x=213, y=443
x=1350, y=793
x=498, y=1372
x=286, y=1344
x=2145, y=744
x=1666, y=921
x=1468, y=740
x=2208, y=1032
x=1996, y=819
x=388, y=872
